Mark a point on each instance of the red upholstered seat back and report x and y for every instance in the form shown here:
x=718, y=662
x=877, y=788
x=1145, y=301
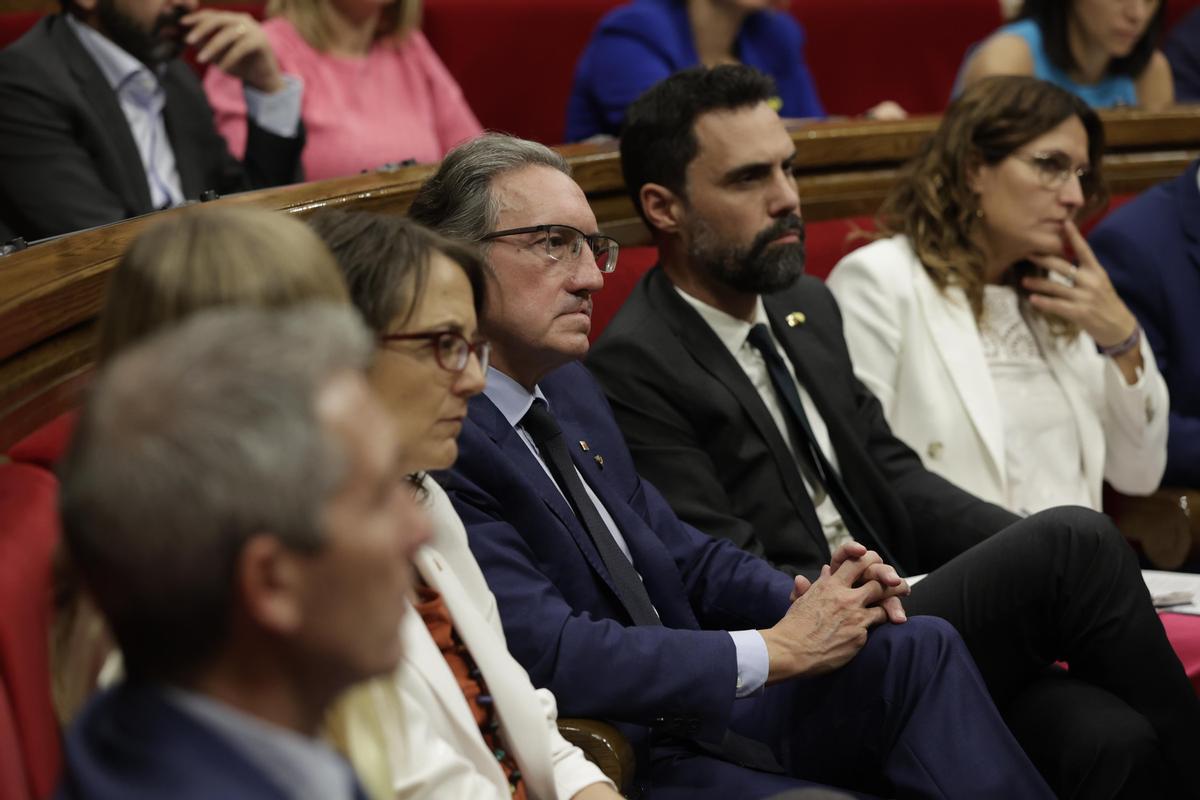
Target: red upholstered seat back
x=29, y=533
x=633, y=264
x=13, y=25
x=45, y=446
x=864, y=51
x=14, y=783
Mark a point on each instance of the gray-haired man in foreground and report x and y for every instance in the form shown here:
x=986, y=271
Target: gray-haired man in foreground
x=229, y=500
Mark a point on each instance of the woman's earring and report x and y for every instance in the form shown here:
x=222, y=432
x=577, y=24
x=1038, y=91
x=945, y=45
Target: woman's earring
x=979, y=213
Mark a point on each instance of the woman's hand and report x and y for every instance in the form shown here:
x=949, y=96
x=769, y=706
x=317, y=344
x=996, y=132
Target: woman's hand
x=1087, y=298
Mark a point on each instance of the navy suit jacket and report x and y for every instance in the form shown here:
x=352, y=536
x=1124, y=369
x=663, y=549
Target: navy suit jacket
x=68, y=159
x=1182, y=50
x=132, y=744
x=561, y=616
x=1151, y=249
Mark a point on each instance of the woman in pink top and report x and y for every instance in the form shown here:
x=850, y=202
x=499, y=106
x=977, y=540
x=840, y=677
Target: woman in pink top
x=374, y=91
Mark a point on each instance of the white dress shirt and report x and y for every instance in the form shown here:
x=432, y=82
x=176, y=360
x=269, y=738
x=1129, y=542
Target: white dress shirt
x=1042, y=451
x=734, y=333
x=142, y=98
x=513, y=401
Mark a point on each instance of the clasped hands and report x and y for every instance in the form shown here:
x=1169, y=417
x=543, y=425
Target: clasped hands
x=828, y=620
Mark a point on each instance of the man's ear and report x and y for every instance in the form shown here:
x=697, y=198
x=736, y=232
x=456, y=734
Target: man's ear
x=663, y=208
x=271, y=580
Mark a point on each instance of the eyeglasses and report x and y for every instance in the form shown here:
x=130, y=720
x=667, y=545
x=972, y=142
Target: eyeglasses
x=564, y=243
x=451, y=350
x=1054, y=170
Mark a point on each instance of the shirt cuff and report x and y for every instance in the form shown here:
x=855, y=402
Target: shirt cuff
x=753, y=664
x=277, y=112
x=1115, y=374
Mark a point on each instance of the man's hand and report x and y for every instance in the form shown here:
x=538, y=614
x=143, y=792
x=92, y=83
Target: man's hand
x=827, y=625
x=801, y=586
x=235, y=43
x=894, y=587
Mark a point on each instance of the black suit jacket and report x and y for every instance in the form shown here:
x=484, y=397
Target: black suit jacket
x=700, y=432
x=68, y=159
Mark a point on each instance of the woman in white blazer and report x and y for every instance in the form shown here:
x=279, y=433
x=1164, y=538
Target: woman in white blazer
x=416, y=735
x=1012, y=371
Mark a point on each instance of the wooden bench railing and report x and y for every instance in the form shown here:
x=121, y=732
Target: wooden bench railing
x=50, y=293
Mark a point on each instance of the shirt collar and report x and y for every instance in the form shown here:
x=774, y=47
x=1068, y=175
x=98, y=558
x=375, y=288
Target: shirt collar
x=513, y=399
x=729, y=329
x=115, y=64
x=303, y=767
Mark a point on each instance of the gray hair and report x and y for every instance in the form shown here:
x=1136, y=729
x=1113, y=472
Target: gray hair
x=190, y=444
x=457, y=201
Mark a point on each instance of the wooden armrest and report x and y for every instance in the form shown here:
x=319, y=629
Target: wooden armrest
x=1166, y=524
x=604, y=745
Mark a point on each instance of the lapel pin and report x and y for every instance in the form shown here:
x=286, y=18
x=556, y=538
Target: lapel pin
x=583, y=446
x=795, y=318
x=599, y=461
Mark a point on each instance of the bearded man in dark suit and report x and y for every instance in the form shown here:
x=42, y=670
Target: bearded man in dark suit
x=100, y=120
x=729, y=376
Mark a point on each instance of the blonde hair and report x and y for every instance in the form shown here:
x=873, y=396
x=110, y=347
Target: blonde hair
x=211, y=256
x=311, y=19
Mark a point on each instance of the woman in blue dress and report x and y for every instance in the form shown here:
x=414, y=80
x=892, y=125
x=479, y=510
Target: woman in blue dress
x=638, y=44
x=1102, y=50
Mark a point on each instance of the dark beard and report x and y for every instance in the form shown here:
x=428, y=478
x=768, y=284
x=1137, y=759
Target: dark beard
x=163, y=42
x=758, y=268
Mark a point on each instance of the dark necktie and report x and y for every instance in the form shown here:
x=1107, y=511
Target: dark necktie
x=541, y=425
x=812, y=460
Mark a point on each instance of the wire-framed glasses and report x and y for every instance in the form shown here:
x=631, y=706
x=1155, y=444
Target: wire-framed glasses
x=1054, y=169
x=565, y=243
x=451, y=350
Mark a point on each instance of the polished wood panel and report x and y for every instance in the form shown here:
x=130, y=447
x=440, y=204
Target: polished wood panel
x=51, y=292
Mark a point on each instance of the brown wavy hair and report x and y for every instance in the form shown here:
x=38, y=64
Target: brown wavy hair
x=932, y=203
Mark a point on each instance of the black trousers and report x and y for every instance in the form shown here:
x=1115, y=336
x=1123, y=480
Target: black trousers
x=1064, y=586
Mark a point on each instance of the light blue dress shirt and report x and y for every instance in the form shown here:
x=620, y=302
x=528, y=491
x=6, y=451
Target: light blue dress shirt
x=142, y=98
x=304, y=768
x=514, y=401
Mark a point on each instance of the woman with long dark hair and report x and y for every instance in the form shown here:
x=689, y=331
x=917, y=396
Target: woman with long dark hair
x=1105, y=51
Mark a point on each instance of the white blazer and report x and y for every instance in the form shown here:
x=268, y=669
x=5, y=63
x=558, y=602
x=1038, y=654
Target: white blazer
x=919, y=350
x=440, y=752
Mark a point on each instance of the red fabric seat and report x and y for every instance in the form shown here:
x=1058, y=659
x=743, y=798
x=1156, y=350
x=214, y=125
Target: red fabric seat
x=1183, y=631
x=14, y=783
x=46, y=445
x=29, y=533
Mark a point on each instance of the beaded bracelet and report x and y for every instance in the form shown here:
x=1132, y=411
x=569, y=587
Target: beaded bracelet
x=1122, y=347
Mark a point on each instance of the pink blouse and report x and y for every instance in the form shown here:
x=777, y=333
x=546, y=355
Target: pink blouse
x=397, y=102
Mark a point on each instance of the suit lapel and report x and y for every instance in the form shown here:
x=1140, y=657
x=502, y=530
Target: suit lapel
x=712, y=355
x=524, y=723
x=111, y=123
x=514, y=448
x=955, y=335
x=1189, y=202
